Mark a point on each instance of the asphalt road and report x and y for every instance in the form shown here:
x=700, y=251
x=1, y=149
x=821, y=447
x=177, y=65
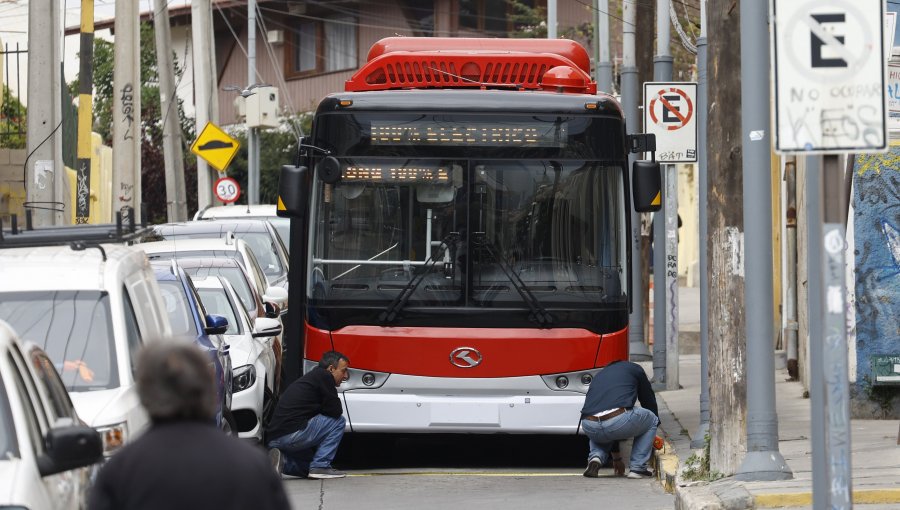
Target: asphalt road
x=470, y=472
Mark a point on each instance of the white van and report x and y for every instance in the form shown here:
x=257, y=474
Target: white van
x=90, y=309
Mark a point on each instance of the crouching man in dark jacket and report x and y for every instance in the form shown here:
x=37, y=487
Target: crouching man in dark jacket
x=609, y=416
x=307, y=426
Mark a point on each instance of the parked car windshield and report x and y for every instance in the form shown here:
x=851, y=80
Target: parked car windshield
x=178, y=309
x=283, y=227
x=9, y=448
x=235, y=277
x=74, y=327
x=217, y=303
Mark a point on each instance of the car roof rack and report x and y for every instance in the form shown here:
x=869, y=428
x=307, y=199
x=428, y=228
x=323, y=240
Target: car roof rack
x=78, y=237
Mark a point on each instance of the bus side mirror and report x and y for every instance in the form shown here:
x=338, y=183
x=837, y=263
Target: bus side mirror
x=293, y=192
x=646, y=186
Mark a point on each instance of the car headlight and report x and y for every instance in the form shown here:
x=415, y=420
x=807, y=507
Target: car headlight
x=114, y=437
x=242, y=378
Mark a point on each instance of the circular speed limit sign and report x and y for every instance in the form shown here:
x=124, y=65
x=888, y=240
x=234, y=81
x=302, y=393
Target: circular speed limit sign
x=227, y=190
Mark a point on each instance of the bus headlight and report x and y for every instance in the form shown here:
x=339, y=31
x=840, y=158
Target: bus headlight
x=579, y=380
x=368, y=379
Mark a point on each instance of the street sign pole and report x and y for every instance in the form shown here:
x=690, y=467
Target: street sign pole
x=830, y=77
x=670, y=112
x=763, y=461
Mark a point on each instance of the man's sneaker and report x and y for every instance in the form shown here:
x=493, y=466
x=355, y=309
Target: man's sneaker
x=323, y=473
x=593, y=467
x=277, y=460
x=643, y=473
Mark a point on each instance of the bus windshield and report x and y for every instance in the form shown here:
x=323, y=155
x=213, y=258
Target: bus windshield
x=475, y=232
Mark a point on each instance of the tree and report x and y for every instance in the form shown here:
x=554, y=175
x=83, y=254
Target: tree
x=152, y=161
x=277, y=147
x=12, y=121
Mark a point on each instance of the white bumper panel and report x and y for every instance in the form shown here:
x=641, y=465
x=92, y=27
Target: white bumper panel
x=250, y=399
x=520, y=405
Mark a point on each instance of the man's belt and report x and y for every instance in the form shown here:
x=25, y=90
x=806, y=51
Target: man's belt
x=591, y=417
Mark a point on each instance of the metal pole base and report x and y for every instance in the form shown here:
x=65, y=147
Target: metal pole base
x=638, y=351
x=763, y=467
x=699, y=439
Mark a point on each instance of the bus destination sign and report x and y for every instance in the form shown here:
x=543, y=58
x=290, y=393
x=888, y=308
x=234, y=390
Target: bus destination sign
x=482, y=134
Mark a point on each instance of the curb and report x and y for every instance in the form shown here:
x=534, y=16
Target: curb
x=860, y=497
x=666, y=466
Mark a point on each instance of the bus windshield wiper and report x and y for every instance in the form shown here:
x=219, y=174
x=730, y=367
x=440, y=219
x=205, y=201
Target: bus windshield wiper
x=390, y=314
x=538, y=313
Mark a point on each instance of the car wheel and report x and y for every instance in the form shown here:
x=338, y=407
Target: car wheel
x=229, y=426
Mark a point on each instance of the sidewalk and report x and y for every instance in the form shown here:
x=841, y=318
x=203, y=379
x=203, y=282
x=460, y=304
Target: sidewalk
x=875, y=454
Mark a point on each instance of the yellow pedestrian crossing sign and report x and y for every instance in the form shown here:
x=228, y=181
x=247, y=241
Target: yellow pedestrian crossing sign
x=215, y=146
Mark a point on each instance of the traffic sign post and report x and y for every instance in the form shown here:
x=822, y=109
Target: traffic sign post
x=829, y=71
x=829, y=62
x=227, y=190
x=215, y=146
x=670, y=112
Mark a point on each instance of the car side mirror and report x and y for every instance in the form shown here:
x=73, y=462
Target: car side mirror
x=265, y=327
x=646, y=186
x=216, y=324
x=273, y=311
x=276, y=295
x=69, y=447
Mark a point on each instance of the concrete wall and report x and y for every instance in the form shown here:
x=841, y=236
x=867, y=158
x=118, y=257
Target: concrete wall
x=876, y=200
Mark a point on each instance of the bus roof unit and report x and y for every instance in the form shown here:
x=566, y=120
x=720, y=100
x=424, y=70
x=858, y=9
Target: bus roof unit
x=439, y=62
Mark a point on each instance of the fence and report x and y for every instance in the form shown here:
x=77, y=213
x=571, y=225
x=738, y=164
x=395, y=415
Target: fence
x=12, y=113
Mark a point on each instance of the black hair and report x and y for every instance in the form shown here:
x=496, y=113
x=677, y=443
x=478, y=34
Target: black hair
x=332, y=359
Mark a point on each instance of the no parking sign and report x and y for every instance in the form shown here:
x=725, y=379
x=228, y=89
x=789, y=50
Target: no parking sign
x=670, y=112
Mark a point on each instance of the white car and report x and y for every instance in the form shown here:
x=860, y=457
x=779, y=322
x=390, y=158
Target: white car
x=267, y=212
x=45, y=450
x=252, y=356
x=219, y=247
x=91, y=310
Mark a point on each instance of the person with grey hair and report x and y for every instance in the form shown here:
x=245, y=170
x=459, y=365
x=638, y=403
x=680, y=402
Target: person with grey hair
x=307, y=425
x=183, y=461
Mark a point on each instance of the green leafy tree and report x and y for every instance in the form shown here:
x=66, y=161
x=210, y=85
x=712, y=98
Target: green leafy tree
x=277, y=147
x=12, y=121
x=152, y=158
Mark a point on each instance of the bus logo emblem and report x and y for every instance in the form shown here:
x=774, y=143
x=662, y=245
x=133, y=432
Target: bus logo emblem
x=465, y=357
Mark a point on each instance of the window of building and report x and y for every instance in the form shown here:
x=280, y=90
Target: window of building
x=499, y=17
x=322, y=45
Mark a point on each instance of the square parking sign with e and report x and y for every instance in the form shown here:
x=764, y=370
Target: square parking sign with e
x=829, y=71
x=670, y=112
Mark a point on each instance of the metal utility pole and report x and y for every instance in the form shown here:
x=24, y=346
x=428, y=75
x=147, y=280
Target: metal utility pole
x=763, y=461
x=46, y=184
x=699, y=439
x=636, y=347
x=204, y=89
x=829, y=388
x=176, y=201
x=665, y=254
x=126, y=171
x=252, y=133
x=603, y=68
x=551, y=19
x=85, y=115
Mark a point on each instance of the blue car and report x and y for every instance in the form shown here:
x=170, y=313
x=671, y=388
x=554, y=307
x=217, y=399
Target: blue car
x=190, y=320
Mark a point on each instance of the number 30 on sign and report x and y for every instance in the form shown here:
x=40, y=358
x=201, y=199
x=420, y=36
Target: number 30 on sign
x=227, y=190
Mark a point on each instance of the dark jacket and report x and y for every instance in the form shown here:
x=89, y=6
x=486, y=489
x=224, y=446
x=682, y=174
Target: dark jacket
x=619, y=384
x=187, y=465
x=312, y=394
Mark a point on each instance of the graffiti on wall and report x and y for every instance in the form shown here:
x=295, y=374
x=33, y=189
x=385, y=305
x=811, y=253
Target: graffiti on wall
x=876, y=199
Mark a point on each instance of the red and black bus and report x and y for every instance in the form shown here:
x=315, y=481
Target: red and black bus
x=460, y=232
